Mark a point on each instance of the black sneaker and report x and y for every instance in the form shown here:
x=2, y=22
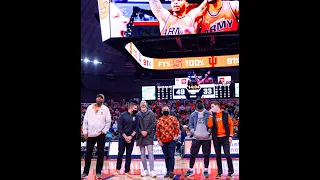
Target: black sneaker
x=218, y=176
x=189, y=173
x=83, y=176
x=206, y=174
x=98, y=176
x=171, y=174
x=166, y=176
x=230, y=175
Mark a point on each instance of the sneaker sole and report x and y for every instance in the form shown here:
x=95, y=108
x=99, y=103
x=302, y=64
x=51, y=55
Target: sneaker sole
x=190, y=175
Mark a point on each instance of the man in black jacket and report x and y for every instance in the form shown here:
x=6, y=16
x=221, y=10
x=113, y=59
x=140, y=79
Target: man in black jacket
x=222, y=132
x=128, y=126
x=145, y=135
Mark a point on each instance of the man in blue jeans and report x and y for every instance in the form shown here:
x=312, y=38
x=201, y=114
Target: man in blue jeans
x=167, y=132
x=128, y=126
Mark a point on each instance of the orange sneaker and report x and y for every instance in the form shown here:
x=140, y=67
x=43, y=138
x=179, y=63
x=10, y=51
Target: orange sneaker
x=128, y=175
x=116, y=172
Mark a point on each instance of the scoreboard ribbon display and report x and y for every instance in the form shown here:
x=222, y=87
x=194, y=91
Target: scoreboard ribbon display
x=182, y=63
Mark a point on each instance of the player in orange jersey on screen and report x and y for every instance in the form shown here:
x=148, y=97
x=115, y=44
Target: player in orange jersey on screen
x=180, y=21
x=220, y=16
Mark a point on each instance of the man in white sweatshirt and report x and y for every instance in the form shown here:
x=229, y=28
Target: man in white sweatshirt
x=96, y=124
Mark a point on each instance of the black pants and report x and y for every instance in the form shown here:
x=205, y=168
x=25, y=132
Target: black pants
x=224, y=142
x=178, y=147
x=194, y=150
x=168, y=150
x=91, y=141
x=128, y=147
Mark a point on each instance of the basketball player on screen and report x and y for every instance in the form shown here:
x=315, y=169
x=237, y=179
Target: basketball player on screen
x=180, y=21
x=220, y=16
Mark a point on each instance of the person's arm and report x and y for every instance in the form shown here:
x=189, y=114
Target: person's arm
x=120, y=126
x=230, y=123
x=152, y=124
x=136, y=128
x=235, y=8
x=107, y=120
x=176, y=128
x=198, y=11
x=159, y=11
x=210, y=120
x=191, y=123
x=158, y=127
x=85, y=124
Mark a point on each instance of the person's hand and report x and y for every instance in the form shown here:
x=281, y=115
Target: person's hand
x=175, y=138
x=160, y=143
x=144, y=133
x=85, y=136
x=230, y=140
x=127, y=138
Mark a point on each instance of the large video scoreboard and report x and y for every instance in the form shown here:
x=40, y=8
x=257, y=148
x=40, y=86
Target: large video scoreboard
x=209, y=91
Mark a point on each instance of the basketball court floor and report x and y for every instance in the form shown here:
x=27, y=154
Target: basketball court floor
x=181, y=167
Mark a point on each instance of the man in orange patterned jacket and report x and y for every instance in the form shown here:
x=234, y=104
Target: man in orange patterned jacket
x=167, y=132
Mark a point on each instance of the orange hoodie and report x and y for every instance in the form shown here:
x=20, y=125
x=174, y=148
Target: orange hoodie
x=220, y=128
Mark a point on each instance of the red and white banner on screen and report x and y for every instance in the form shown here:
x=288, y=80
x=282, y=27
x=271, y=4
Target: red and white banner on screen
x=181, y=81
x=224, y=79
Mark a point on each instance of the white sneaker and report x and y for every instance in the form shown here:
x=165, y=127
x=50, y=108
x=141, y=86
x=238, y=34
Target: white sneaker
x=144, y=173
x=153, y=174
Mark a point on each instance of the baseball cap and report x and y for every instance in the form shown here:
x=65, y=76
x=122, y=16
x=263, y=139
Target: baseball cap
x=199, y=101
x=101, y=95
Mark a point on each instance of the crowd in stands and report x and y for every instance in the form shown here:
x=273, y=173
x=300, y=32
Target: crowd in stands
x=181, y=109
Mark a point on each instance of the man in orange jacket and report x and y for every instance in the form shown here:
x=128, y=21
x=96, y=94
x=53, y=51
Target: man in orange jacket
x=222, y=131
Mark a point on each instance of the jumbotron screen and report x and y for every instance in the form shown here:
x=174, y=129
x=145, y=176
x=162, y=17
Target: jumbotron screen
x=147, y=18
x=196, y=86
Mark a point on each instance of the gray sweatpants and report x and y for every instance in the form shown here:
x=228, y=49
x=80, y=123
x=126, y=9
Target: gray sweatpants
x=150, y=156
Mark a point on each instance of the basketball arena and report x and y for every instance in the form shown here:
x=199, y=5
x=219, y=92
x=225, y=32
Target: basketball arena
x=159, y=55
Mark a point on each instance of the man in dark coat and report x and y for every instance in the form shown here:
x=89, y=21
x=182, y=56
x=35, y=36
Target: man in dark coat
x=145, y=138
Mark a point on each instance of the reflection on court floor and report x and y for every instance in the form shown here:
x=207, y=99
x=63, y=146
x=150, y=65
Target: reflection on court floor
x=181, y=167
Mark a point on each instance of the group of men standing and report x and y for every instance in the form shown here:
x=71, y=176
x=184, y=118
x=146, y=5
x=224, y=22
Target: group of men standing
x=134, y=125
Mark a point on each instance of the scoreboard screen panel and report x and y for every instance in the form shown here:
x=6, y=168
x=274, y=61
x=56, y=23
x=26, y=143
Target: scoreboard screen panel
x=222, y=91
x=209, y=91
x=164, y=92
x=193, y=92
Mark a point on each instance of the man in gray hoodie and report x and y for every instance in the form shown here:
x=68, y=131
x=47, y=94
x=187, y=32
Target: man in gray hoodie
x=145, y=140
x=201, y=137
